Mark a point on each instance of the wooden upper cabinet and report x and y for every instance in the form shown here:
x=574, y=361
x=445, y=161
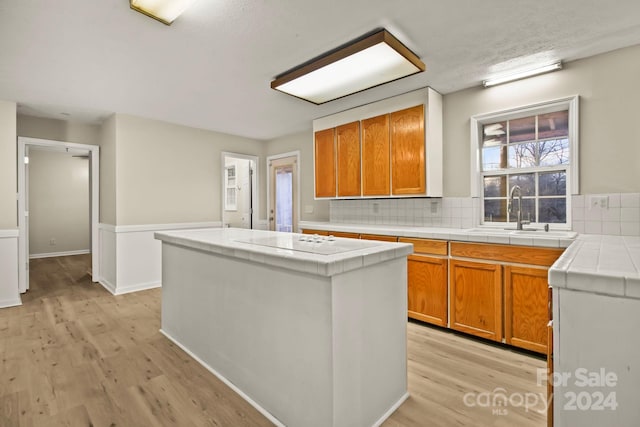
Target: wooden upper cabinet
x=325, y=163
x=408, y=151
x=348, y=149
x=375, y=156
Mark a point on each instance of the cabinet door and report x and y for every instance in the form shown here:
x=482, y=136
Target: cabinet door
x=375, y=156
x=526, y=307
x=348, y=146
x=476, y=298
x=325, y=163
x=427, y=289
x=407, y=151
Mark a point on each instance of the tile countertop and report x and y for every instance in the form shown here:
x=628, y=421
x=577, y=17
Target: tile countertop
x=288, y=250
x=608, y=265
x=480, y=235
x=601, y=264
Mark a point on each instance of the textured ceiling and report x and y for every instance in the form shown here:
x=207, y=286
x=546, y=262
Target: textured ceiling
x=212, y=68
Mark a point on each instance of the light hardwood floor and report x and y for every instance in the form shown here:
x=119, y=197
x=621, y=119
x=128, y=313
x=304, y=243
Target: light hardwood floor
x=75, y=355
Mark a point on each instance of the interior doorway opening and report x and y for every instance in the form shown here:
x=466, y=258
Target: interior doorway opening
x=47, y=219
x=239, y=201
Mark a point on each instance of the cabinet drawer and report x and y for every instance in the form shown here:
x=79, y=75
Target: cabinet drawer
x=318, y=232
x=506, y=253
x=379, y=237
x=345, y=234
x=426, y=246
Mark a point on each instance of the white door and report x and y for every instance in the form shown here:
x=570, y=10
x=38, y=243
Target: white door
x=283, y=178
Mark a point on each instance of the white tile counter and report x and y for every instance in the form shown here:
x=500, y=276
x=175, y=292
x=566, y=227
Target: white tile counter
x=606, y=265
x=287, y=250
x=596, y=313
x=300, y=329
x=480, y=234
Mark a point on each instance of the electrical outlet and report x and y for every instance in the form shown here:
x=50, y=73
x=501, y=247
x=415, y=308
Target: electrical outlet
x=434, y=207
x=308, y=209
x=376, y=208
x=599, y=201
x=52, y=242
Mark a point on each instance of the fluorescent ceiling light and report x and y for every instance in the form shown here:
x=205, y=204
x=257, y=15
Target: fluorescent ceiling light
x=523, y=74
x=369, y=61
x=165, y=11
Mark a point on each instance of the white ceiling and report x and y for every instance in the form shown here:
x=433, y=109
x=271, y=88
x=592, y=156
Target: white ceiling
x=212, y=68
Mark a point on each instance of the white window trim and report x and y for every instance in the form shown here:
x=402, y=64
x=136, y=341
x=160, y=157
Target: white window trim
x=570, y=103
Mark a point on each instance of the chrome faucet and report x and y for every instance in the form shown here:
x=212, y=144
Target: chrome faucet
x=517, y=191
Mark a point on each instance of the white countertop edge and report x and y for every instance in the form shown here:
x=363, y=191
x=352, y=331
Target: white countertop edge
x=441, y=233
x=317, y=264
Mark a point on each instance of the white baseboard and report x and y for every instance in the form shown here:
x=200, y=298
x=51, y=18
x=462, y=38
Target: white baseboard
x=137, y=287
x=391, y=410
x=57, y=254
x=107, y=285
x=10, y=303
x=232, y=386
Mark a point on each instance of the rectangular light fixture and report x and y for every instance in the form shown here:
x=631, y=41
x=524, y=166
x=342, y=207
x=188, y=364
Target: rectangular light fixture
x=523, y=74
x=369, y=61
x=165, y=11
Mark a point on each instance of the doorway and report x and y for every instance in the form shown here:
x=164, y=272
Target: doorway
x=239, y=201
x=283, y=190
x=90, y=153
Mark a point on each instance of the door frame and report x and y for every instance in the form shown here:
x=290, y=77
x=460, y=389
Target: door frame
x=94, y=195
x=254, y=184
x=295, y=154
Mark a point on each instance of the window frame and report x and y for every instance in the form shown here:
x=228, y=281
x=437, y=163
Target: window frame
x=571, y=104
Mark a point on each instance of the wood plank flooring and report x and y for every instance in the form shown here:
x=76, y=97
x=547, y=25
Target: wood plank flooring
x=75, y=355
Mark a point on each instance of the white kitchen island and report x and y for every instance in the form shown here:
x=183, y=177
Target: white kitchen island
x=312, y=333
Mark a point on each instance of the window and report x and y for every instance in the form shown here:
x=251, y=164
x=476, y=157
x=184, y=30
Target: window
x=230, y=200
x=534, y=148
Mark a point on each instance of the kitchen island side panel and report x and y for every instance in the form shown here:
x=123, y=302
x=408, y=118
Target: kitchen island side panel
x=266, y=330
x=369, y=342
x=308, y=349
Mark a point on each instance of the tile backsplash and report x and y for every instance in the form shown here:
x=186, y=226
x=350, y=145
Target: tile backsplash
x=453, y=212
x=616, y=214
x=612, y=213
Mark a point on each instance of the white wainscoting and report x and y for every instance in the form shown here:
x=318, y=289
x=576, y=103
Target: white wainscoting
x=131, y=258
x=9, y=295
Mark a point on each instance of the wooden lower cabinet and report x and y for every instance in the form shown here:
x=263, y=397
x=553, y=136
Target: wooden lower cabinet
x=526, y=307
x=427, y=289
x=476, y=298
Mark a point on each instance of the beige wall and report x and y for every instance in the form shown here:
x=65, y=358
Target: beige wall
x=609, y=90
x=107, y=142
x=303, y=142
x=8, y=185
x=58, y=202
x=167, y=173
x=58, y=130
